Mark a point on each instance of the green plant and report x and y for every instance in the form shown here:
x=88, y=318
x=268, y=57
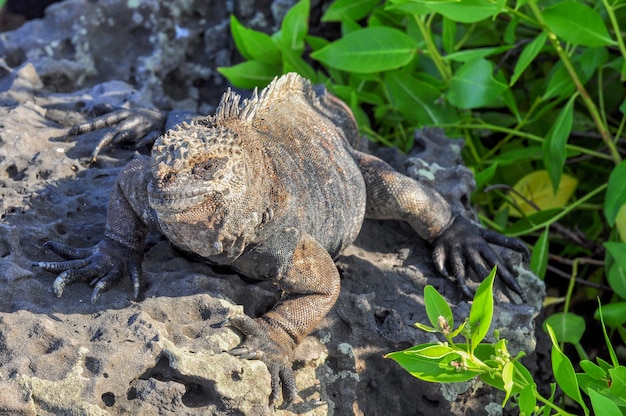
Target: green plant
x=448, y=361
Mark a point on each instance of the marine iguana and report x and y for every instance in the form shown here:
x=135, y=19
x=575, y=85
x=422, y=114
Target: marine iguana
x=272, y=188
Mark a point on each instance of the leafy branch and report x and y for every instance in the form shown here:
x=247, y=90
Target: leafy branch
x=447, y=361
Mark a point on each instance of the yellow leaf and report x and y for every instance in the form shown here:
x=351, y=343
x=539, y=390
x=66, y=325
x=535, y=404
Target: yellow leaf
x=620, y=223
x=537, y=188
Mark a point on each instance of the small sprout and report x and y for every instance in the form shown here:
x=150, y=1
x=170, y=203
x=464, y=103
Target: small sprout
x=444, y=327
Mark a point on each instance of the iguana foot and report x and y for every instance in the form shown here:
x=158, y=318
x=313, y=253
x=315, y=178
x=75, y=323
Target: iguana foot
x=140, y=125
x=466, y=244
x=102, y=266
x=259, y=345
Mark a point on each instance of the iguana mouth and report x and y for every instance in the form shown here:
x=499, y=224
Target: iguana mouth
x=176, y=200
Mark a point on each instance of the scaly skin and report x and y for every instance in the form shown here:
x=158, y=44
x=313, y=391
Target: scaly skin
x=273, y=189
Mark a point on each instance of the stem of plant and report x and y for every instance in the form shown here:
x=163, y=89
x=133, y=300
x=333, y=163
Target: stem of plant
x=552, y=405
x=591, y=106
x=616, y=28
x=525, y=135
x=534, y=227
x=517, y=128
x=443, y=69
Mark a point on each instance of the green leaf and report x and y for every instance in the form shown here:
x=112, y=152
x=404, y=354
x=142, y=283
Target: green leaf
x=448, y=35
x=476, y=53
x=250, y=74
x=617, y=272
x=437, y=308
x=615, y=193
x=588, y=62
x=409, y=7
x=592, y=369
x=426, y=328
x=515, y=155
x=577, y=24
x=418, y=101
x=618, y=381
x=496, y=381
x=466, y=11
x=507, y=378
x=433, y=351
x=254, y=45
x=538, y=219
x=605, y=365
x=620, y=223
x=473, y=86
x=420, y=363
x=295, y=26
x=292, y=62
x=316, y=42
x=486, y=175
x=559, y=83
x=540, y=253
x=526, y=400
x=567, y=327
x=614, y=314
x=602, y=405
x=350, y=9
x=529, y=53
x=481, y=312
x=554, y=152
x=368, y=50
x=564, y=372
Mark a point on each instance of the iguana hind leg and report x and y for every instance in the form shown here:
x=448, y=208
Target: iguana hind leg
x=310, y=282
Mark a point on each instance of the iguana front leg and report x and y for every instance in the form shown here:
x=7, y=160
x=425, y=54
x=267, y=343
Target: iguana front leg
x=310, y=282
x=456, y=241
x=120, y=253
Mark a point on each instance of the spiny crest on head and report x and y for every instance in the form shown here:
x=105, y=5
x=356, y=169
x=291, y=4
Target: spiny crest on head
x=182, y=147
x=285, y=86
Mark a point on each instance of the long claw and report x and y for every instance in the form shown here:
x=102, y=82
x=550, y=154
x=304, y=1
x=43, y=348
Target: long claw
x=101, y=122
x=258, y=345
x=65, y=251
x=97, y=290
x=498, y=239
x=465, y=244
x=135, y=276
x=58, y=286
x=509, y=281
x=288, y=379
x=107, y=138
x=102, y=266
x=439, y=259
x=73, y=275
x=60, y=266
x=239, y=351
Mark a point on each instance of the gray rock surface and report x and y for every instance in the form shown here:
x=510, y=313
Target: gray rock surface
x=164, y=354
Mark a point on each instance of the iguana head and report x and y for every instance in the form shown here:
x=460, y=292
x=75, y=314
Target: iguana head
x=198, y=170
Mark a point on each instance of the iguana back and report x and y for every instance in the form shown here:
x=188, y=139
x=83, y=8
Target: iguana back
x=292, y=169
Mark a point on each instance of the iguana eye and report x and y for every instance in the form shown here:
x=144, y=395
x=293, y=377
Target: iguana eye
x=208, y=168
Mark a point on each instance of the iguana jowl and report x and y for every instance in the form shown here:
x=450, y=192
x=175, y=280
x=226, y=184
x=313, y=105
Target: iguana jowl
x=273, y=189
